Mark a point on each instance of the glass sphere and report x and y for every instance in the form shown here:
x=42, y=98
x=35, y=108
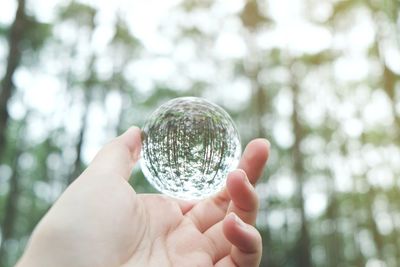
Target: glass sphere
x=188, y=147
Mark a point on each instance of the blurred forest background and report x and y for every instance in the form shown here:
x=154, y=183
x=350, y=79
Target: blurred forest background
x=319, y=79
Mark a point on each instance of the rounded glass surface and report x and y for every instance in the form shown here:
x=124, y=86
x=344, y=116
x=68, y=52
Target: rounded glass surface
x=188, y=147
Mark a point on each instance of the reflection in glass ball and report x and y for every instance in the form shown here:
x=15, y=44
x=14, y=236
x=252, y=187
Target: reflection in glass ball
x=189, y=146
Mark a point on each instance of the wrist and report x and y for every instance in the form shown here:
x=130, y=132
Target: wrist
x=25, y=261
x=39, y=252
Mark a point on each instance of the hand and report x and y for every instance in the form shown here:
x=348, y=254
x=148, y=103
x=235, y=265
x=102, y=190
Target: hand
x=99, y=221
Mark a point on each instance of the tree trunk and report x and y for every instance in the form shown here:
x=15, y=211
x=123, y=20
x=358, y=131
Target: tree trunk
x=10, y=211
x=365, y=203
x=14, y=57
x=88, y=99
x=372, y=225
x=389, y=80
x=7, y=87
x=334, y=242
x=303, y=248
x=79, y=145
x=260, y=105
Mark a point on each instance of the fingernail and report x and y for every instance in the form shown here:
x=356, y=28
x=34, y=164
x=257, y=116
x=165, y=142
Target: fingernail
x=238, y=221
x=134, y=142
x=242, y=174
x=268, y=143
x=132, y=128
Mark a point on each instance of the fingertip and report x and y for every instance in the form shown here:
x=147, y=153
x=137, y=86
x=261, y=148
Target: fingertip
x=243, y=236
x=235, y=220
x=261, y=147
x=132, y=132
x=118, y=156
x=267, y=142
x=229, y=225
x=242, y=194
x=245, y=239
x=233, y=225
x=236, y=176
x=238, y=183
x=132, y=140
x=231, y=217
x=254, y=158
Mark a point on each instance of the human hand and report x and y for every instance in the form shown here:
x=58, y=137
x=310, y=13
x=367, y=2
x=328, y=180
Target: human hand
x=99, y=221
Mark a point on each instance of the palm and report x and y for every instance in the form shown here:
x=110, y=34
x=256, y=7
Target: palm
x=170, y=236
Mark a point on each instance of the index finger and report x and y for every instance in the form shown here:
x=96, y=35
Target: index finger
x=254, y=158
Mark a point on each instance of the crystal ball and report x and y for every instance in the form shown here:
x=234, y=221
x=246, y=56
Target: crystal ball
x=188, y=147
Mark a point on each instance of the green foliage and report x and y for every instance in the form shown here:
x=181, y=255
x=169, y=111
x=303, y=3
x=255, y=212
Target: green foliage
x=124, y=37
x=191, y=5
x=294, y=98
x=163, y=94
x=343, y=7
x=36, y=33
x=319, y=58
x=77, y=12
x=3, y=30
x=252, y=17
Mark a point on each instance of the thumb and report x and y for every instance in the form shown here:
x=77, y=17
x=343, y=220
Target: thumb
x=118, y=157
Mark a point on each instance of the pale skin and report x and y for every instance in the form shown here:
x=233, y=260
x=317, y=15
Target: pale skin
x=100, y=221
